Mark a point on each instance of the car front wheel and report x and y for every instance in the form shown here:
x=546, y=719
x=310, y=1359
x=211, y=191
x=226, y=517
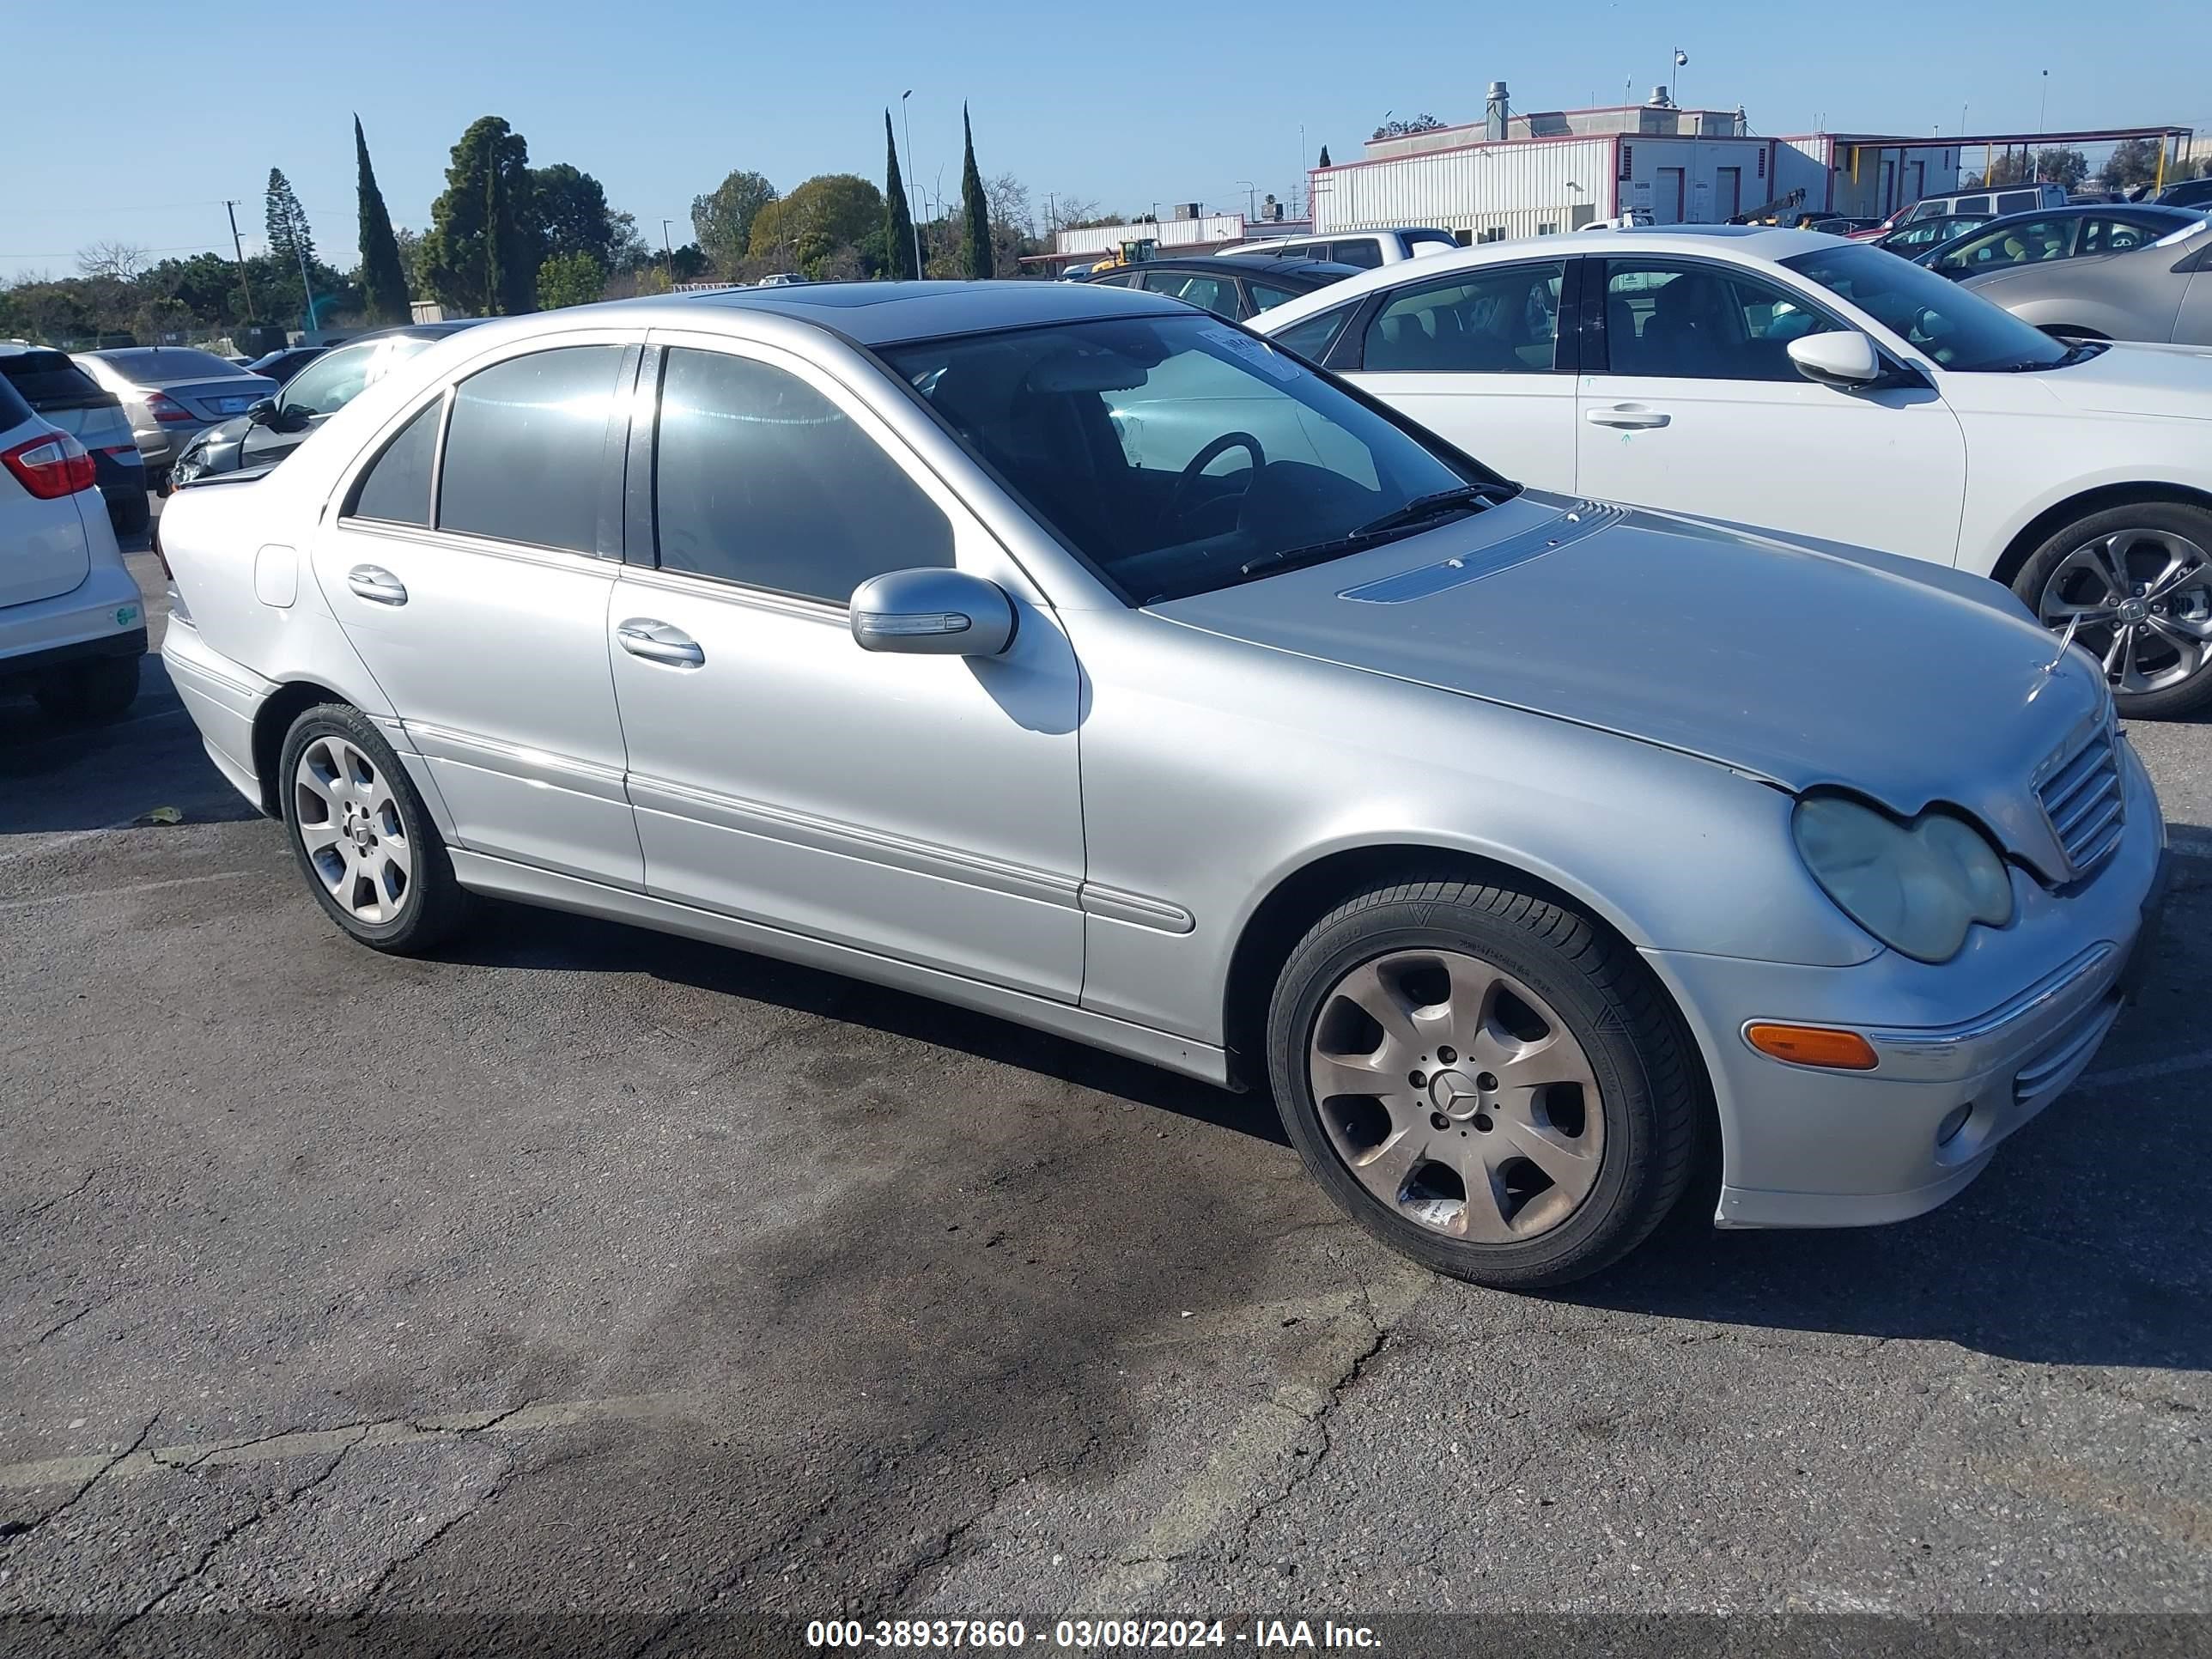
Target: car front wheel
x=361, y=834
x=1484, y=1081
x=2133, y=584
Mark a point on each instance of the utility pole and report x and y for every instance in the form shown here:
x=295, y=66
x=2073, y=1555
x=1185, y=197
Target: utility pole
x=239, y=248
x=1251, y=189
x=905, y=116
x=669, y=247
x=306, y=286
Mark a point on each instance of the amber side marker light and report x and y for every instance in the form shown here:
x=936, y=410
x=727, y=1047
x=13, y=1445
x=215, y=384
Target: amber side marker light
x=1813, y=1045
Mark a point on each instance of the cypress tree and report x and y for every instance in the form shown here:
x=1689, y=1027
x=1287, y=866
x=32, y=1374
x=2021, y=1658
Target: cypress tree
x=898, y=222
x=974, y=207
x=383, y=275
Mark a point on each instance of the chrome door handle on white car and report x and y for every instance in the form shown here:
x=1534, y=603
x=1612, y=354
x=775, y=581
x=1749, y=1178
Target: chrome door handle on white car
x=374, y=582
x=1633, y=415
x=658, y=642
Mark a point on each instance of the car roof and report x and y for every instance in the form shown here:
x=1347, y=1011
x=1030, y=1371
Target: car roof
x=2163, y=213
x=888, y=313
x=1210, y=264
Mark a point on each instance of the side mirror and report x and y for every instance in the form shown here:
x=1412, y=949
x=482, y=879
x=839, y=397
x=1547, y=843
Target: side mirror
x=262, y=413
x=932, y=613
x=1843, y=357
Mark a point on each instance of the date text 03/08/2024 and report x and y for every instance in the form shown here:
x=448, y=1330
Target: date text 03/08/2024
x=1090, y=1635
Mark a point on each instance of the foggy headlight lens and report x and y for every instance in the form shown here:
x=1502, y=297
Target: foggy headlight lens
x=1917, y=887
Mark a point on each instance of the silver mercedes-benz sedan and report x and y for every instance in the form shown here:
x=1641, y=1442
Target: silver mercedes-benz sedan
x=1065, y=653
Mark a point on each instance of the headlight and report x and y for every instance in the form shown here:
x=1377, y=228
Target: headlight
x=1916, y=887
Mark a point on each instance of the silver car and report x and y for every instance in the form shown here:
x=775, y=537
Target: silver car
x=2123, y=273
x=1060, y=652
x=171, y=392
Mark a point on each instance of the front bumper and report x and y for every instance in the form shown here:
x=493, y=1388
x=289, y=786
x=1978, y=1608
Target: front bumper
x=2001, y=1030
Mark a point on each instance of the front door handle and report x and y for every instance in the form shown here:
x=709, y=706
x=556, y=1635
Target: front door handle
x=374, y=581
x=1634, y=416
x=658, y=642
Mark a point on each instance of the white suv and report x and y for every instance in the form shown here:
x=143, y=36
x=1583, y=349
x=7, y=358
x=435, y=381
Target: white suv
x=1368, y=249
x=72, y=624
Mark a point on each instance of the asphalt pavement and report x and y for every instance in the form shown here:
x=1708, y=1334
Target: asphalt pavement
x=624, y=1286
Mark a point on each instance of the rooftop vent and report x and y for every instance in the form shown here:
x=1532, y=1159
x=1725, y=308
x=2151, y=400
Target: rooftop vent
x=1495, y=112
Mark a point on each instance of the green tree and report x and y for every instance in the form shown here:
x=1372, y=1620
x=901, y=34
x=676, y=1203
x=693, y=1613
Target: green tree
x=724, y=221
x=569, y=279
x=2131, y=163
x=2069, y=168
x=474, y=211
x=974, y=207
x=1324, y=156
x=828, y=212
x=383, y=285
x=287, y=220
x=569, y=215
x=898, y=220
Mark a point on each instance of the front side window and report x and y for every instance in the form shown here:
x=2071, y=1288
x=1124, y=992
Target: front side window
x=1702, y=322
x=396, y=489
x=526, y=448
x=329, y=383
x=760, y=479
x=2026, y=243
x=1178, y=455
x=1956, y=327
x=1493, y=322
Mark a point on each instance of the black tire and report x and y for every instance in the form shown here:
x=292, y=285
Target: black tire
x=2174, y=518
x=432, y=904
x=1637, y=1050
x=129, y=514
x=100, y=689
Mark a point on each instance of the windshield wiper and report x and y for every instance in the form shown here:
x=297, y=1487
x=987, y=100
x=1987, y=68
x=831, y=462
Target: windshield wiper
x=1432, y=506
x=1419, y=510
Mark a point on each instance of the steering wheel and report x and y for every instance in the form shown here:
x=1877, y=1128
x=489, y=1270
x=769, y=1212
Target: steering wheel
x=1205, y=457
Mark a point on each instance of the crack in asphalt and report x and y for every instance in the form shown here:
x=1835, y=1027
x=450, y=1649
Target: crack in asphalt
x=38, y=1210
x=415, y=1552
x=56, y=1330
x=16, y=1529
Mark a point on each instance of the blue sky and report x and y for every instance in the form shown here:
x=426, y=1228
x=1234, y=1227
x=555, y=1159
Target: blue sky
x=1127, y=103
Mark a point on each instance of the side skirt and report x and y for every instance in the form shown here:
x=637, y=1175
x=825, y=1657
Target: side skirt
x=526, y=884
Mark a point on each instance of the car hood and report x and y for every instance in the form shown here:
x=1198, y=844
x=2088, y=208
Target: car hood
x=1803, y=663
x=2136, y=379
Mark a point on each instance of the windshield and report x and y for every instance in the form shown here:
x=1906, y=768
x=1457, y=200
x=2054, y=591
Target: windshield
x=1178, y=454
x=1958, y=330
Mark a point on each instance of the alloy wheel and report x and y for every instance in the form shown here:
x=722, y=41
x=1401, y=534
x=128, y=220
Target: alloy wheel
x=350, y=825
x=2140, y=600
x=1456, y=1096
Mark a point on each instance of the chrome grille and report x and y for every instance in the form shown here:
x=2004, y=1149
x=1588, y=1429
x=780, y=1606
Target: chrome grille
x=2083, y=802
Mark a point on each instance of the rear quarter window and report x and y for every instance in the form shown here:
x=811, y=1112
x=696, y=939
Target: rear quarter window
x=46, y=377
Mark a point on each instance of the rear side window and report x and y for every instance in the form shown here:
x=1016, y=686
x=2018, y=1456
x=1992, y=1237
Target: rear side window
x=1363, y=252
x=760, y=479
x=397, y=486
x=49, y=377
x=2019, y=201
x=1266, y=296
x=526, y=448
x=1490, y=322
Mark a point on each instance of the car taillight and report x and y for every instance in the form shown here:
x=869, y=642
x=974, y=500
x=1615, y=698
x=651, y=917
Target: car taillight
x=50, y=467
x=163, y=407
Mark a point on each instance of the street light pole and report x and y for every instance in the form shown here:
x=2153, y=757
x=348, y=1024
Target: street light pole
x=1249, y=188
x=905, y=116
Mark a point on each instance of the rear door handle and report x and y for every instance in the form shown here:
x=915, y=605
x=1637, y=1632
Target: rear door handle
x=1633, y=415
x=660, y=641
x=374, y=581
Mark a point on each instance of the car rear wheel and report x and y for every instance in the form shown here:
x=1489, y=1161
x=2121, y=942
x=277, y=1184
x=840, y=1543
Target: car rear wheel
x=363, y=837
x=1483, y=1081
x=2134, y=585
x=97, y=691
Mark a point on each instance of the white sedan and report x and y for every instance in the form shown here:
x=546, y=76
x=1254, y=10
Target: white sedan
x=1824, y=388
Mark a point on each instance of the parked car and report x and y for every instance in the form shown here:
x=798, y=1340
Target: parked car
x=1517, y=843
x=1237, y=292
x=1367, y=249
x=2141, y=287
x=72, y=626
x=281, y=366
x=1842, y=227
x=67, y=398
x=1822, y=387
x=1923, y=235
x=781, y=279
x=2070, y=233
x=276, y=425
x=169, y=393
x=1991, y=204
x=2189, y=193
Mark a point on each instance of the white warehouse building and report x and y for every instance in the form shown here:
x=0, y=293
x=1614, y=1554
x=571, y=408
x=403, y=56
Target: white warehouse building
x=1535, y=175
